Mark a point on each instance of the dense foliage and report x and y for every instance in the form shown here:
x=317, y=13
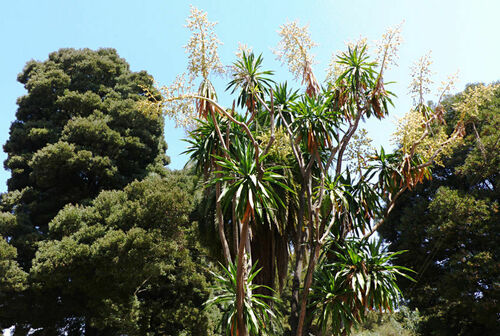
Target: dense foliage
x=259, y=314
x=402, y=323
x=78, y=132
x=128, y=263
x=351, y=277
x=450, y=227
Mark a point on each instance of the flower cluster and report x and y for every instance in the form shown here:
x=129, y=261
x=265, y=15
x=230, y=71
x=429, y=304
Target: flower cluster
x=202, y=46
x=414, y=137
x=447, y=86
x=360, y=42
x=176, y=101
x=387, y=48
x=359, y=150
x=242, y=48
x=293, y=48
x=474, y=97
x=280, y=148
x=334, y=69
x=421, y=79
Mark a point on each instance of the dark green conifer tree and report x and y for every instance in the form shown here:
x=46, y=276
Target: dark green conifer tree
x=77, y=132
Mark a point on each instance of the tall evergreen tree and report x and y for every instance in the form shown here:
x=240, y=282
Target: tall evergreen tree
x=77, y=132
x=450, y=227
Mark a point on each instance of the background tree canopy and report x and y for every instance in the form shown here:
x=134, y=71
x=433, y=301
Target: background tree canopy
x=128, y=263
x=78, y=132
x=450, y=227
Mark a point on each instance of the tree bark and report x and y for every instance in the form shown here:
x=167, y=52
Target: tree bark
x=295, y=300
x=299, y=262
x=236, y=229
x=307, y=285
x=220, y=225
x=240, y=273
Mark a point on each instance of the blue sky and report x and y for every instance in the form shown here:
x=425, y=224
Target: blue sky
x=150, y=35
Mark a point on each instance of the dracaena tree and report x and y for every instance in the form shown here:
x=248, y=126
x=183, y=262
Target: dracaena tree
x=354, y=277
x=278, y=162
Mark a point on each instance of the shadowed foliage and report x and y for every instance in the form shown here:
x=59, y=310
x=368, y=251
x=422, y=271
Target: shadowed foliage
x=77, y=132
x=450, y=227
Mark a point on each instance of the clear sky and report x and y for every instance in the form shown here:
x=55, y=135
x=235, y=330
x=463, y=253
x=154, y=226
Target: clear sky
x=150, y=34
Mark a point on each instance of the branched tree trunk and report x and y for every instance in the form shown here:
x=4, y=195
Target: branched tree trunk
x=236, y=228
x=220, y=226
x=240, y=273
x=307, y=285
x=299, y=262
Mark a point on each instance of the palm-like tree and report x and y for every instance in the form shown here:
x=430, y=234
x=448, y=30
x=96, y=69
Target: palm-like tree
x=205, y=144
x=354, y=277
x=249, y=186
x=251, y=80
x=315, y=123
x=259, y=316
x=360, y=87
x=284, y=98
x=319, y=126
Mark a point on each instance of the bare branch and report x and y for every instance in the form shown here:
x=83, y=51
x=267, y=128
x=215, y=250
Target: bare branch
x=271, y=116
x=345, y=140
x=387, y=212
x=296, y=150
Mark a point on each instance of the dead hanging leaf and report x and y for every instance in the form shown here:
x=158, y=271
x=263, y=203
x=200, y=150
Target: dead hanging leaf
x=204, y=108
x=460, y=129
x=439, y=112
x=251, y=103
x=363, y=267
x=376, y=107
x=377, y=93
x=312, y=144
x=395, y=177
x=410, y=178
x=308, y=78
x=341, y=94
x=379, y=88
